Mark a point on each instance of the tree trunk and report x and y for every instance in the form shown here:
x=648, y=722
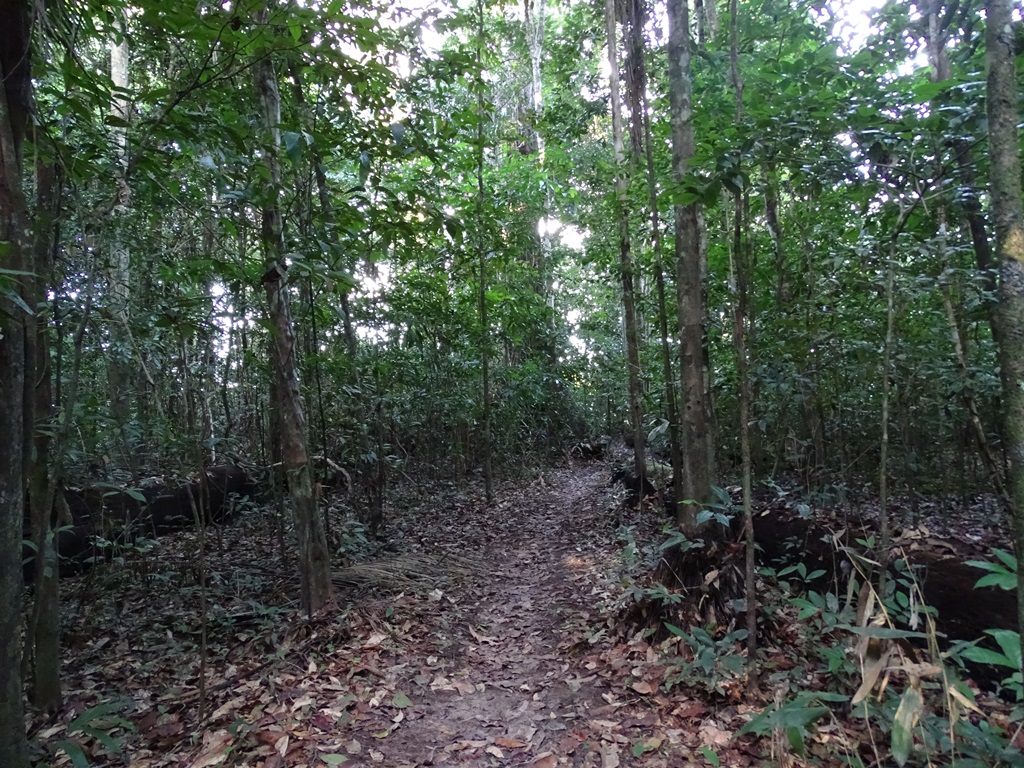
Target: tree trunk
x=743, y=278
x=1008, y=210
x=118, y=356
x=625, y=257
x=689, y=278
x=15, y=103
x=637, y=91
x=44, y=473
x=485, y=349
x=314, y=560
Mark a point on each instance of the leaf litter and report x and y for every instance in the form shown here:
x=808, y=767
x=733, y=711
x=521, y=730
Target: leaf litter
x=480, y=634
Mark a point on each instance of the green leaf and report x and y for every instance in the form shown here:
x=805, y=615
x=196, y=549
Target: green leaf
x=401, y=700
x=710, y=756
x=1009, y=642
x=986, y=656
x=292, y=145
x=907, y=715
x=1007, y=581
x=74, y=751
x=675, y=630
x=334, y=759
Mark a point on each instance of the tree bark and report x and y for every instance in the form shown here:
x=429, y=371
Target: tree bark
x=1008, y=210
x=44, y=473
x=625, y=256
x=485, y=351
x=119, y=353
x=638, y=106
x=689, y=278
x=314, y=560
x=15, y=104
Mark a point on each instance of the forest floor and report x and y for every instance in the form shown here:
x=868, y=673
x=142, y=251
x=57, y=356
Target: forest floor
x=480, y=634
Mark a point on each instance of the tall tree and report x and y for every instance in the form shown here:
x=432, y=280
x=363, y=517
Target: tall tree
x=118, y=267
x=314, y=558
x=1008, y=210
x=689, y=276
x=16, y=261
x=625, y=255
x=481, y=254
x=636, y=16
x=742, y=325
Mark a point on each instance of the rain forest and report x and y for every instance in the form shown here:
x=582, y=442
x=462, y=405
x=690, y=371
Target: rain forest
x=585, y=383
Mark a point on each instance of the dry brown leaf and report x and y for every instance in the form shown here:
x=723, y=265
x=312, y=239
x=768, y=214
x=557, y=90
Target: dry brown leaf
x=546, y=760
x=643, y=687
x=609, y=756
x=281, y=747
x=493, y=750
x=214, y=749
x=482, y=638
x=510, y=743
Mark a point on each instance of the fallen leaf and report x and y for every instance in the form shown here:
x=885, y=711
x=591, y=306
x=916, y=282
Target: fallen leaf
x=281, y=747
x=375, y=640
x=482, y=638
x=510, y=743
x=643, y=687
x=492, y=750
x=214, y=749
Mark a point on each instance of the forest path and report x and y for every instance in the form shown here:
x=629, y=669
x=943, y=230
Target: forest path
x=502, y=682
x=490, y=638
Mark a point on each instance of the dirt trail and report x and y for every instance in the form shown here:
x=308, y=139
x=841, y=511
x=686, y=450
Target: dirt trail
x=502, y=686
x=505, y=682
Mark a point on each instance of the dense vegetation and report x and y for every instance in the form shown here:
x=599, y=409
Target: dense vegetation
x=395, y=240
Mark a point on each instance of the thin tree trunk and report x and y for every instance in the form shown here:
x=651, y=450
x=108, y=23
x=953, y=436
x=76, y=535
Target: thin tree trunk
x=884, y=524
x=15, y=104
x=639, y=108
x=625, y=257
x=485, y=354
x=314, y=559
x=689, y=277
x=741, y=283
x=44, y=473
x=119, y=354
x=1008, y=210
